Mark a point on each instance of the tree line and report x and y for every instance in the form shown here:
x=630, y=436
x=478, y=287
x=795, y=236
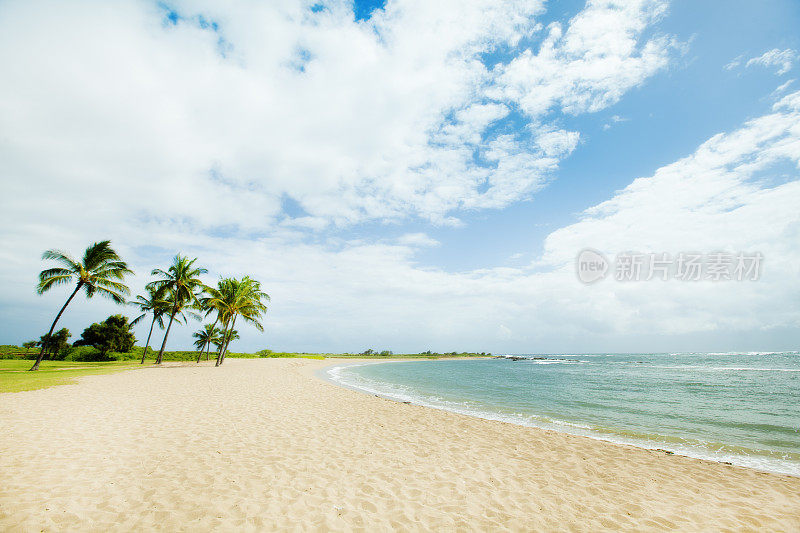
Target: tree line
x=175, y=295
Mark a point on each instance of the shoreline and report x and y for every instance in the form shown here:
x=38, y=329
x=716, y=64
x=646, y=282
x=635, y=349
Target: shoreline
x=322, y=374
x=266, y=444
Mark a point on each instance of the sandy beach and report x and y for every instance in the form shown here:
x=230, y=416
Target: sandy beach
x=265, y=445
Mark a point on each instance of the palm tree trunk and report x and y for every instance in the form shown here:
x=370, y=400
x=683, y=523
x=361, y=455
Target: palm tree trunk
x=221, y=344
x=164, y=342
x=208, y=349
x=225, y=350
x=41, y=352
x=200, y=353
x=153, y=323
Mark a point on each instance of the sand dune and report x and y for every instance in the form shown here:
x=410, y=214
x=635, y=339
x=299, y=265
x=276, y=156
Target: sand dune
x=263, y=445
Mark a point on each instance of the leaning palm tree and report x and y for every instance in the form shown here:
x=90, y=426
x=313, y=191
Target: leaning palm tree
x=180, y=285
x=100, y=271
x=219, y=300
x=211, y=301
x=205, y=337
x=241, y=298
x=153, y=303
x=230, y=335
x=222, y=340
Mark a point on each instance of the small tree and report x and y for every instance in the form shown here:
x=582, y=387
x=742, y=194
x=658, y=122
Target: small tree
x=153, y=302
x=29, y=345
x=205, y=338
x=112, y=335
x=53, y=343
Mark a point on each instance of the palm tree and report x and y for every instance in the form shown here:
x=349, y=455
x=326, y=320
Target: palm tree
x=152, y=303
x=231, y=335
x=218, y=344
x=219, y=300
x=100, y=271
x=205, y=337
x=210, y=301
x=240, y=298
x=223, y=339
x=181, y=285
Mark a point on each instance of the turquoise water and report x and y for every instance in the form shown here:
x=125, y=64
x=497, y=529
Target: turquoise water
x=738, y=407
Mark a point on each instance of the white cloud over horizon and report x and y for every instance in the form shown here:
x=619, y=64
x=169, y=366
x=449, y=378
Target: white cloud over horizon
x=182, y=137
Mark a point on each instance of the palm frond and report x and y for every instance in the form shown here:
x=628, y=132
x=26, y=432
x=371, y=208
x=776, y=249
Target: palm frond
x=107, y=293
x=138, y=318
x=253, y=322
x=46, y=284
x=112, y=285
x=61, y=257
x=97, y=254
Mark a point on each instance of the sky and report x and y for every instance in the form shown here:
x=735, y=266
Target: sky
x=412, y=175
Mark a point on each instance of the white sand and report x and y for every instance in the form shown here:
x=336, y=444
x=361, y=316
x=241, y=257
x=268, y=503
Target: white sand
x=264, y=445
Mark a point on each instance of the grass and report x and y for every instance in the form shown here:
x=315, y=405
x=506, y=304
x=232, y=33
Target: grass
x=14, y=375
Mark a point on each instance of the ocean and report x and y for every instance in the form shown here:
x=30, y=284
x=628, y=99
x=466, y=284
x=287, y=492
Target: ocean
x=742, y=408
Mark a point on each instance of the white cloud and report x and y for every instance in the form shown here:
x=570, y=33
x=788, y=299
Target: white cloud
x=782, y=59
x=782, y=88
x=383, y=122
x=143, y=132
x=417, y=240
x=557, y=143
x=734, y=63
x=325, y=295
x=615, y=119
x=719, y=198
x=589, y=64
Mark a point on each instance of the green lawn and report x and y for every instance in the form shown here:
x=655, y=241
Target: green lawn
x=14, y=376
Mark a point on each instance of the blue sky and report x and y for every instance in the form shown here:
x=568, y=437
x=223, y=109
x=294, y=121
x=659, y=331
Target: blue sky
x=412, y=175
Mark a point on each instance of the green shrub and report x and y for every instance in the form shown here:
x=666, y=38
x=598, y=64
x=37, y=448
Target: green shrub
x=112, y=334
x=85, y=353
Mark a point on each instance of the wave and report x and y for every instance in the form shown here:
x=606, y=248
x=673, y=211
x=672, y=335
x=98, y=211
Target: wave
x=725, y=368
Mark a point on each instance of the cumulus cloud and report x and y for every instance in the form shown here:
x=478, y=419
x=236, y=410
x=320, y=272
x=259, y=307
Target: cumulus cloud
x=722, y=197
x=232, y=107
x=590, y=63
x=327, y=294
x=191, y=125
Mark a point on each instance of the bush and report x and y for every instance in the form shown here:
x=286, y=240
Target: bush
x=112, y=335
x=85, y=353
x=11, y=351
